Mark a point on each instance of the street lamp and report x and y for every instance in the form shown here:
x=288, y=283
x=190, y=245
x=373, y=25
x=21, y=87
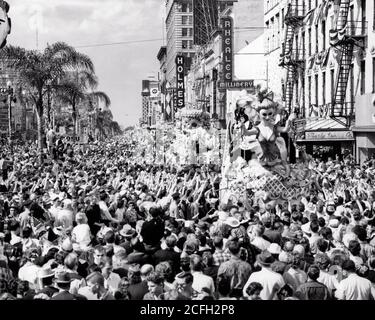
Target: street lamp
x=10, y=98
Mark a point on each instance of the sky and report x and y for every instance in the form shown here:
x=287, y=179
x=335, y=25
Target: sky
x=120, y=68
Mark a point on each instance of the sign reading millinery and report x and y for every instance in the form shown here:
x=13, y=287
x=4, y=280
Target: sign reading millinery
x=237, y=84
x=227, y=23
x=180, y=83
x=329, y=135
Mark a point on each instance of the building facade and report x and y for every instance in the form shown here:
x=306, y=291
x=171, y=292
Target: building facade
x=323, y=53
x=179, y=25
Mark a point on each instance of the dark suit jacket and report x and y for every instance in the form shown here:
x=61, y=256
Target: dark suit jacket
x=167, y=255
x=138, y=291
x=65, y=295
x=152, y=232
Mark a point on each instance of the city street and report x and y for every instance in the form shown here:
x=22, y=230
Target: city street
x=187, y=150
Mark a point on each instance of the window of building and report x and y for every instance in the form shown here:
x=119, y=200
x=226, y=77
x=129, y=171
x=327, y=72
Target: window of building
x=316, y=90
x=303, y=45
x=187, y=32
x=309, y=40
x=184, y=20
x=309, y=91
x=186, y=7
x=324, y=34
x=324, y=88
x=184, y=44
x=332, y=72
x=363, y=77
x=316, y=38
x=373, y=75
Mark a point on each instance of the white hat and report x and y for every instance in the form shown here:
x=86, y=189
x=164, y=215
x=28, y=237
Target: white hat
x=232, y=222
x=334, y=223
x=274, y=248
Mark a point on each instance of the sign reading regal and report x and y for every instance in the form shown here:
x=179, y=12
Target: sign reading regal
x=227, y=38
x=180, y=83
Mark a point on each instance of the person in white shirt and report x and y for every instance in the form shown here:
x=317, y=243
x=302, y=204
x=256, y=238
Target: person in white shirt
x=65, y=216
x=257, y=238
x=294, y=276
x=354, y=287
x=56, y=207
x=200, y=280
x=81, y=234
x=30, y=271
x=105, y=214
x=271, y=281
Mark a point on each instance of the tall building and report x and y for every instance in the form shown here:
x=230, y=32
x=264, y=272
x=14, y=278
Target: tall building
x=322, y=60
x=179, y=25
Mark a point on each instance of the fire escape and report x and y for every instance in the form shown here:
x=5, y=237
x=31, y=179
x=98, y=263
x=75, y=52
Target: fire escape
x=292, y=57
x=344, y=38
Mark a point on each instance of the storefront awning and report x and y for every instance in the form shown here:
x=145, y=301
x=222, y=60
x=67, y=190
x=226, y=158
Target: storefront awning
x=323, y=124
x=325, y=130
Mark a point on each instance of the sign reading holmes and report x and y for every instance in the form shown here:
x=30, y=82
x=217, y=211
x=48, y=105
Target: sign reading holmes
x=227, y=23
x=180, y=84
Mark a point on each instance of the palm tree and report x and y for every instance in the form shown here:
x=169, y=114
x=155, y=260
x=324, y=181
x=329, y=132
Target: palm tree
x=38, y=71
x=73, y=90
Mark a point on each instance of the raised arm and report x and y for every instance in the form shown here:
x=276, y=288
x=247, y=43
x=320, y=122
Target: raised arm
x=287, y=124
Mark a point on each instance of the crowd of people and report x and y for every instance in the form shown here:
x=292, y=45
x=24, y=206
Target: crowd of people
x=92, y=224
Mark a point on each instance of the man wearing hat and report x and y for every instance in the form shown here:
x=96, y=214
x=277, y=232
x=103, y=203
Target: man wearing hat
x=46, y=276
x=270, y=280
x=62, y=282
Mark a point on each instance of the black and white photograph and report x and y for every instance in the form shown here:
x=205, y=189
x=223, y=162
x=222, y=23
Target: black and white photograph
x=208, y=151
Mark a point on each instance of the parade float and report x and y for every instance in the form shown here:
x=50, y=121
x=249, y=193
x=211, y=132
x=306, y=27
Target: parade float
x=255, y=158
x=191, y=140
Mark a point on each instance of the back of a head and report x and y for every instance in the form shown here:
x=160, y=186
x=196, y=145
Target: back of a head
x=196, y=263
x=313, y=272
x=95, y=278
x=234, y=247
x=348, y=265
x=146, y=269
x=109, y=237
x=218, y=242
x=224, y=286
x=314, y=226
x=171, y=241
x=71, y=261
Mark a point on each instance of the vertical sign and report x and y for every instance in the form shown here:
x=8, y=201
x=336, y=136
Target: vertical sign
x=180, y=83
x=227, y=23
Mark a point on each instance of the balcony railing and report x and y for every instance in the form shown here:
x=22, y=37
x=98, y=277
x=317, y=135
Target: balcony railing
x=295, y=11
x=345, y=110
x=290, y=56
